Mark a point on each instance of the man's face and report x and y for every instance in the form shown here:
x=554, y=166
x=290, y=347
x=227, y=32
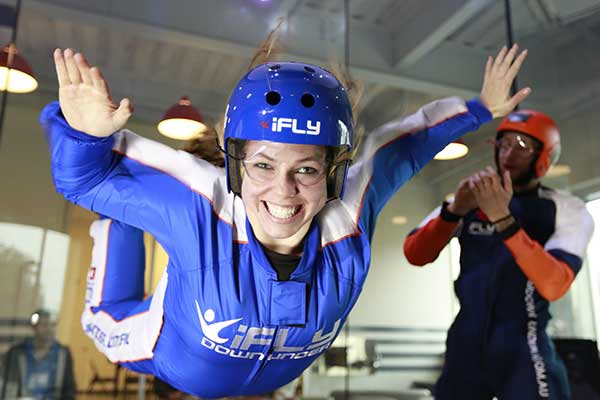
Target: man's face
x=517, y=153
x=284, y=186
x=44, y=330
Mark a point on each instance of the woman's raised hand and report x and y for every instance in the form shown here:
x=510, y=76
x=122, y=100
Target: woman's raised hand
x=497, y=81
x=85, y=98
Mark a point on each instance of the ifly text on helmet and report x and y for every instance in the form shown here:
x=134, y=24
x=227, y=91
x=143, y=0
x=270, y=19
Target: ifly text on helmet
x=292, y=123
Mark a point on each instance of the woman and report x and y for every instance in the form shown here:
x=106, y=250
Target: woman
x=267, y=258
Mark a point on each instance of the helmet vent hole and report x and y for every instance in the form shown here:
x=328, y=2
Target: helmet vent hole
x=274, y=67
x=309, y=69
x=307, y=100
x=273, y=98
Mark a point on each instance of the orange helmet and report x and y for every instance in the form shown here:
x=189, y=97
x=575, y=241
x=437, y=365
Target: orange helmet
x=540, y=127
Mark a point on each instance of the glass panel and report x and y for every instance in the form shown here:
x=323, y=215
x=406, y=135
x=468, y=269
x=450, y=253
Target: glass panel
x=54, y=265
x=20, y=252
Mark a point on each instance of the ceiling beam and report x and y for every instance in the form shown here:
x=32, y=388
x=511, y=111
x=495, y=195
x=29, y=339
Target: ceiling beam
x=425, y=40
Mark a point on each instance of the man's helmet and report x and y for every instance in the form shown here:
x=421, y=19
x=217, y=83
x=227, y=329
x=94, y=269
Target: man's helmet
x=540, y=127
x=294, y=103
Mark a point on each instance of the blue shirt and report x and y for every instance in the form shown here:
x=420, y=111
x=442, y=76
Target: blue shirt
x=40, y=374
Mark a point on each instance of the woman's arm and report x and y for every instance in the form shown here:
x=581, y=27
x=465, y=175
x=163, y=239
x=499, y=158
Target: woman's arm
x=121, y=175
x=395, y=152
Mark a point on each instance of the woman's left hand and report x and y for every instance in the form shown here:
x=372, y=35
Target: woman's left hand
x=497, y=81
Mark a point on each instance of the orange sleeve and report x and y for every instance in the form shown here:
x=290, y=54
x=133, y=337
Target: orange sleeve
x=424, y=245
x=550, y=276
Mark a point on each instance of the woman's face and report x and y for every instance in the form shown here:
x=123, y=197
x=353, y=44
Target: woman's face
x=283, y=187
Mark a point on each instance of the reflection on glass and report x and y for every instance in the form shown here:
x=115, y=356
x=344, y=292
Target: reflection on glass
x=32, y=269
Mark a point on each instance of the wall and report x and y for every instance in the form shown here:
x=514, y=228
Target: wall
x=393, y=283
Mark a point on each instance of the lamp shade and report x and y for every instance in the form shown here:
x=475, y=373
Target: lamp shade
x=456, y=149
x=15, y=72
x=182, y=121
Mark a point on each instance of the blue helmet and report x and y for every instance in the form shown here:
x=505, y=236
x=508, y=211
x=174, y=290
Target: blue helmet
x=294, y=103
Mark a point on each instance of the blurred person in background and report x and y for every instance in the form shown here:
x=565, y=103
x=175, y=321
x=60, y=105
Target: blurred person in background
x=39, y=367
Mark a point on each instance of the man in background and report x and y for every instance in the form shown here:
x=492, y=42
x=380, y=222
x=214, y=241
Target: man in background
x=39, y=367
x=522, y=244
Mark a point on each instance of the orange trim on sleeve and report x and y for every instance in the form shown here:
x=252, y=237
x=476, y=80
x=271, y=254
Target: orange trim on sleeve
x=424, y=245
x=550, y=276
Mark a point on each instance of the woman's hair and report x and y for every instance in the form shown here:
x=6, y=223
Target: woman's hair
x=205, y=147
x=355, y=90
x=271, y=47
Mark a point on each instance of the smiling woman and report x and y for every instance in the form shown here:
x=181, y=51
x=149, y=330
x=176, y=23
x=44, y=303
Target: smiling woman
x=266, y=257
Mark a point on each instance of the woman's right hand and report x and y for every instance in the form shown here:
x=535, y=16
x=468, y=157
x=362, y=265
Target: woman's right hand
x=85, y=98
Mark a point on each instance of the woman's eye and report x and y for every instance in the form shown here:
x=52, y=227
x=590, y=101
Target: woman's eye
x=307, y=170
x=262, y=166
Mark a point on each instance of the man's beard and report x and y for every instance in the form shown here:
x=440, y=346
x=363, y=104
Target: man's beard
x=525, y=177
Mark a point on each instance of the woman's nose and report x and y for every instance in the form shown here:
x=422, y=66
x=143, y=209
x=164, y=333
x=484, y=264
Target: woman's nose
x=286, y=183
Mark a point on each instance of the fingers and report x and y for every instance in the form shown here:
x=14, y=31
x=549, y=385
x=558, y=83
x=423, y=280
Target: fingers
x=122, y=114
x=61, y=68
x=491, y=173
x=518, y=97
x=484, y=180
x=488, y=68
x=72, y=70
x=487, y=181
x=495, y=179
x=475, y=186
x=507, y=182
x=503, y=65
x=472, y=185
x=476, y=183
x=98, y=81
x=506, y=63
x=484, y=177
x=516, y=66
x=500, y=57
x=83, y=67
x=463, y=184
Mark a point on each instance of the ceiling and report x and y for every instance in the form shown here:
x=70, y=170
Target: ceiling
x=406, y=51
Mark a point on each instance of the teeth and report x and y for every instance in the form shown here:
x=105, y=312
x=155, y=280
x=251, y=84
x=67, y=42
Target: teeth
x=282, y=212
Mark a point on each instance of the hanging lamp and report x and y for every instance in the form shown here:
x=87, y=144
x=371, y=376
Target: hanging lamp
x=452, y=151
x=15, y=72
x=182, y=121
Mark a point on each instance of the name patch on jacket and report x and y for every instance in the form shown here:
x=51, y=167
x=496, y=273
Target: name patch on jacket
x=479, y=228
